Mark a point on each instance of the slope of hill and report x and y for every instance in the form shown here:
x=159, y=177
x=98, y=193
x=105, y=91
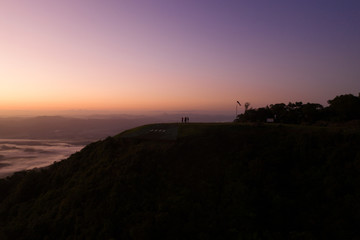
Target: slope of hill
x=211, y=181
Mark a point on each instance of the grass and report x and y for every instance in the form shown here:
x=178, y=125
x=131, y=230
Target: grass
x=216, y=181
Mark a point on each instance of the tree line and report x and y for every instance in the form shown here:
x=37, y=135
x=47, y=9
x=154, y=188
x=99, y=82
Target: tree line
x=341, y=109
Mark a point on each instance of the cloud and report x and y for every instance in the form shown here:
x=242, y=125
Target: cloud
x=5, y=147
x=18, y=155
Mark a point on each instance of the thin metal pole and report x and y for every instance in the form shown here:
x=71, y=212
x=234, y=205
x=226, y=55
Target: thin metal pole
x=236, y=112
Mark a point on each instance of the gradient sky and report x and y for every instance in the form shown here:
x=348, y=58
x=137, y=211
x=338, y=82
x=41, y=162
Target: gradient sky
x=185, y=55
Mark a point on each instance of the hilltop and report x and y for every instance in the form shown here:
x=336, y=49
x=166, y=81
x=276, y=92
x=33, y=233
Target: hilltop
x=194, y=181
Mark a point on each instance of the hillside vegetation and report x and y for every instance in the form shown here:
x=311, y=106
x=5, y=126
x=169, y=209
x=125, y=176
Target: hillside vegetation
x=215, y=181
x=341, y=109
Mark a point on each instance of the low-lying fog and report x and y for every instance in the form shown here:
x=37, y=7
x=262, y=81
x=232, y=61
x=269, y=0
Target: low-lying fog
x=22, y=144
x=23, y=154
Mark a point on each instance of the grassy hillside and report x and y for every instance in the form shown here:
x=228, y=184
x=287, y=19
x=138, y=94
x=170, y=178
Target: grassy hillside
x=211, y=181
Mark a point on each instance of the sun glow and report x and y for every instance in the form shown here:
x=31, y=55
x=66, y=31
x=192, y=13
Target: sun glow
x=122, y=56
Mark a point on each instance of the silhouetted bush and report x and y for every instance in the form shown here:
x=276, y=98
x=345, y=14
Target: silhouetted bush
x=341, y=108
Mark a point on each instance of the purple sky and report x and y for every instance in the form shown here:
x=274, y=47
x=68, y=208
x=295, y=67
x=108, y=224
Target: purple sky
x=175, y=55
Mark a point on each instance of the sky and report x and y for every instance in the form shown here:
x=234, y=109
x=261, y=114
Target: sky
x=165, y=55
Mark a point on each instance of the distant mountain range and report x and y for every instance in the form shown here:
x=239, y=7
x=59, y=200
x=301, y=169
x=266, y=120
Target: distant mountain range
x=88, y=128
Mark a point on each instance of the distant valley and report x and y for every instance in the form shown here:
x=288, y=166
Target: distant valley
x=36, y=142
x=87, y=129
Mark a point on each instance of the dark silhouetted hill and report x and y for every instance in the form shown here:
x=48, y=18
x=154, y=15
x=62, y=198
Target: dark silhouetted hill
x=215, y=181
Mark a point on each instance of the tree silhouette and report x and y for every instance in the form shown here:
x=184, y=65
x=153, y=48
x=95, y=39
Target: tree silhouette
x=345, y=107
x=247, y=104
x=342, y=108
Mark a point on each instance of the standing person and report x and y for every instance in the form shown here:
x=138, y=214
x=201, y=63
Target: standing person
x=182, y=120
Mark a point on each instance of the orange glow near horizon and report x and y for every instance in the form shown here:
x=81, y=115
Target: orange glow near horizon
x=123, y=56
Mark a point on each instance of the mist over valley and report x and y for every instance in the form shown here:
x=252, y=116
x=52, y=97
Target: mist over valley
x=36, y=142
x=24, y=154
